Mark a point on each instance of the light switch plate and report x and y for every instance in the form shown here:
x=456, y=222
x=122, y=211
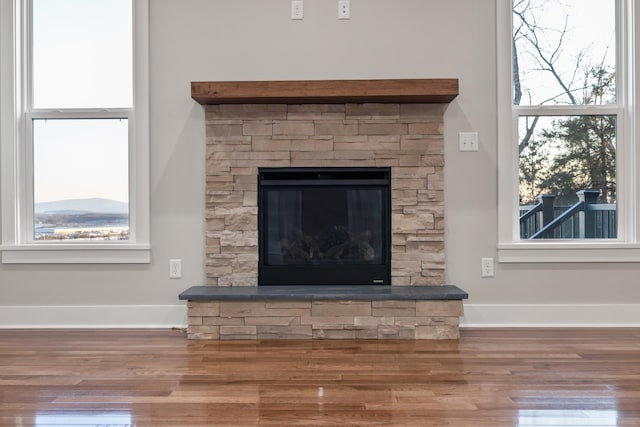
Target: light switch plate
x=468, y=141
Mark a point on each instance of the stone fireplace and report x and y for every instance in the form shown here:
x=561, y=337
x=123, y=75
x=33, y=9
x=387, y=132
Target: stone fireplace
x=340, y=125
x=408, y=138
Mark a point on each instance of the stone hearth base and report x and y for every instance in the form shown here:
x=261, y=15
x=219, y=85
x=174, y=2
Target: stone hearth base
x=271, y=313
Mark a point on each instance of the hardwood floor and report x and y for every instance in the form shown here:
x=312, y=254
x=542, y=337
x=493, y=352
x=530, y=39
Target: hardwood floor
x=490, y=377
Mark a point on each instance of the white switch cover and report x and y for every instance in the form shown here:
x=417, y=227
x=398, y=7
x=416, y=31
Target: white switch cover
x=468, y=141
x=297, y=11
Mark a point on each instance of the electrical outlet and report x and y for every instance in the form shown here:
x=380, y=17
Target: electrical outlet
x=175, y=268
x=487, y=267
x=344, y=9
x=297, y=11
x=468, y=141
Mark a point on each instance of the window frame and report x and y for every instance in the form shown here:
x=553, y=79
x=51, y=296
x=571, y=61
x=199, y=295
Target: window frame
x=16, y=173
x=510, y=248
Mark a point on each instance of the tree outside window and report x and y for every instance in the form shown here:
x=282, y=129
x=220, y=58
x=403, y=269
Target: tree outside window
x=567, y=117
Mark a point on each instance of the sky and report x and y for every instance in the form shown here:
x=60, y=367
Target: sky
x=76, y=159
x=590, y=26
x=83, y=57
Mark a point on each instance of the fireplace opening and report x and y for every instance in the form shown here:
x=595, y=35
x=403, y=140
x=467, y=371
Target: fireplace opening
x=324, y=226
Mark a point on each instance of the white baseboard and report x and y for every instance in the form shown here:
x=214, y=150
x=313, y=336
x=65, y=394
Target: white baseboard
x=167, y=316
x=98, y=316
x=551, y=315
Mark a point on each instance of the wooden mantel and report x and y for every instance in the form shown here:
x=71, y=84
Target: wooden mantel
x=325, y=91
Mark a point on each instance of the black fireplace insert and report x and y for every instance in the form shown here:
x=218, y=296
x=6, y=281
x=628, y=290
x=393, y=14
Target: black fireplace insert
x=324, y=226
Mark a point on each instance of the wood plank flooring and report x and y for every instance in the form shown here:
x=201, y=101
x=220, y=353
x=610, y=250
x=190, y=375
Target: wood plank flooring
x=490, y=377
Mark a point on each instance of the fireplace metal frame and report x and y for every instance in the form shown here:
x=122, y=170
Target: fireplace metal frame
x=344, y=274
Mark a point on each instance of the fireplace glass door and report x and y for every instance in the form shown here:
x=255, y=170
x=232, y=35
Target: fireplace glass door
x=324, y=226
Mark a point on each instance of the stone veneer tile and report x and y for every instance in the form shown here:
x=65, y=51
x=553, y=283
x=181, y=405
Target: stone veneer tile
x=238, y=332
x=411, y=172
x=224, y=130
x=337, y=128
x=334, y=334
x=321, y=322
x=316, y=112
x=312, y=145
x=425, y=146
x=372, y=128
x=349, y=163
x=383, y=163
x=203, y=336
x=421, y=111
x=258, y=127
x=203, y=308
x=437, y=332
x=341, y=308
x=250, y=198
x=408, y=183
x=435, y=160
x=410, y=223
x=367, y=334
x=373, y=111
x=375, y=146
x=293, y=128
x=435, y=182
x=223, y=321
x=257, y=309
x=395, y=332
x=398, y=280
x=269, y=144
x=371, y=321
x=394, y=304
x=426, y=321
x=238, y=280
x=430, y=277
x=392, y=312
x=222, y=270
x=221, y=198
x=203, y=332
x=435, y=127
x=429, y=247
x=245, y=112
x=439, y=308
x=276, y=305
x=280, y=332
x=273, y=321
x=195, y=320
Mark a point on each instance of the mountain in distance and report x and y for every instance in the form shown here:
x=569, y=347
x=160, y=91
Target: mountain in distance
x=78, y=206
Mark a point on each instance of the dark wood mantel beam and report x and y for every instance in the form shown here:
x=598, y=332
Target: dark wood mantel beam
x=325, y=91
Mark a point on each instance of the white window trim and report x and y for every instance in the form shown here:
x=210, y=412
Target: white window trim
x=13, y=174
x=626, y=248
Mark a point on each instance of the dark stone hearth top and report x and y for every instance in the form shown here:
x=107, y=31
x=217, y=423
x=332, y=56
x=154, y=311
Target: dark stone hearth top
x=330, y=292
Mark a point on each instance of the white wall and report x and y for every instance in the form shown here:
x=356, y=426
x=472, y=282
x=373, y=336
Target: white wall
x=255, y=40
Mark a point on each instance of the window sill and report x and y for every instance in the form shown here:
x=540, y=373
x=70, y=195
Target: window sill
x=565, y=251
x=77, y=254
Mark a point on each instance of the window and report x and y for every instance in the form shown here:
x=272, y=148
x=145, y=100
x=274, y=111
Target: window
x=75, y=132
x=566, y=131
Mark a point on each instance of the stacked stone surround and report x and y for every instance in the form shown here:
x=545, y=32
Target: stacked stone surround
x=406, y=137
x=227, y=320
